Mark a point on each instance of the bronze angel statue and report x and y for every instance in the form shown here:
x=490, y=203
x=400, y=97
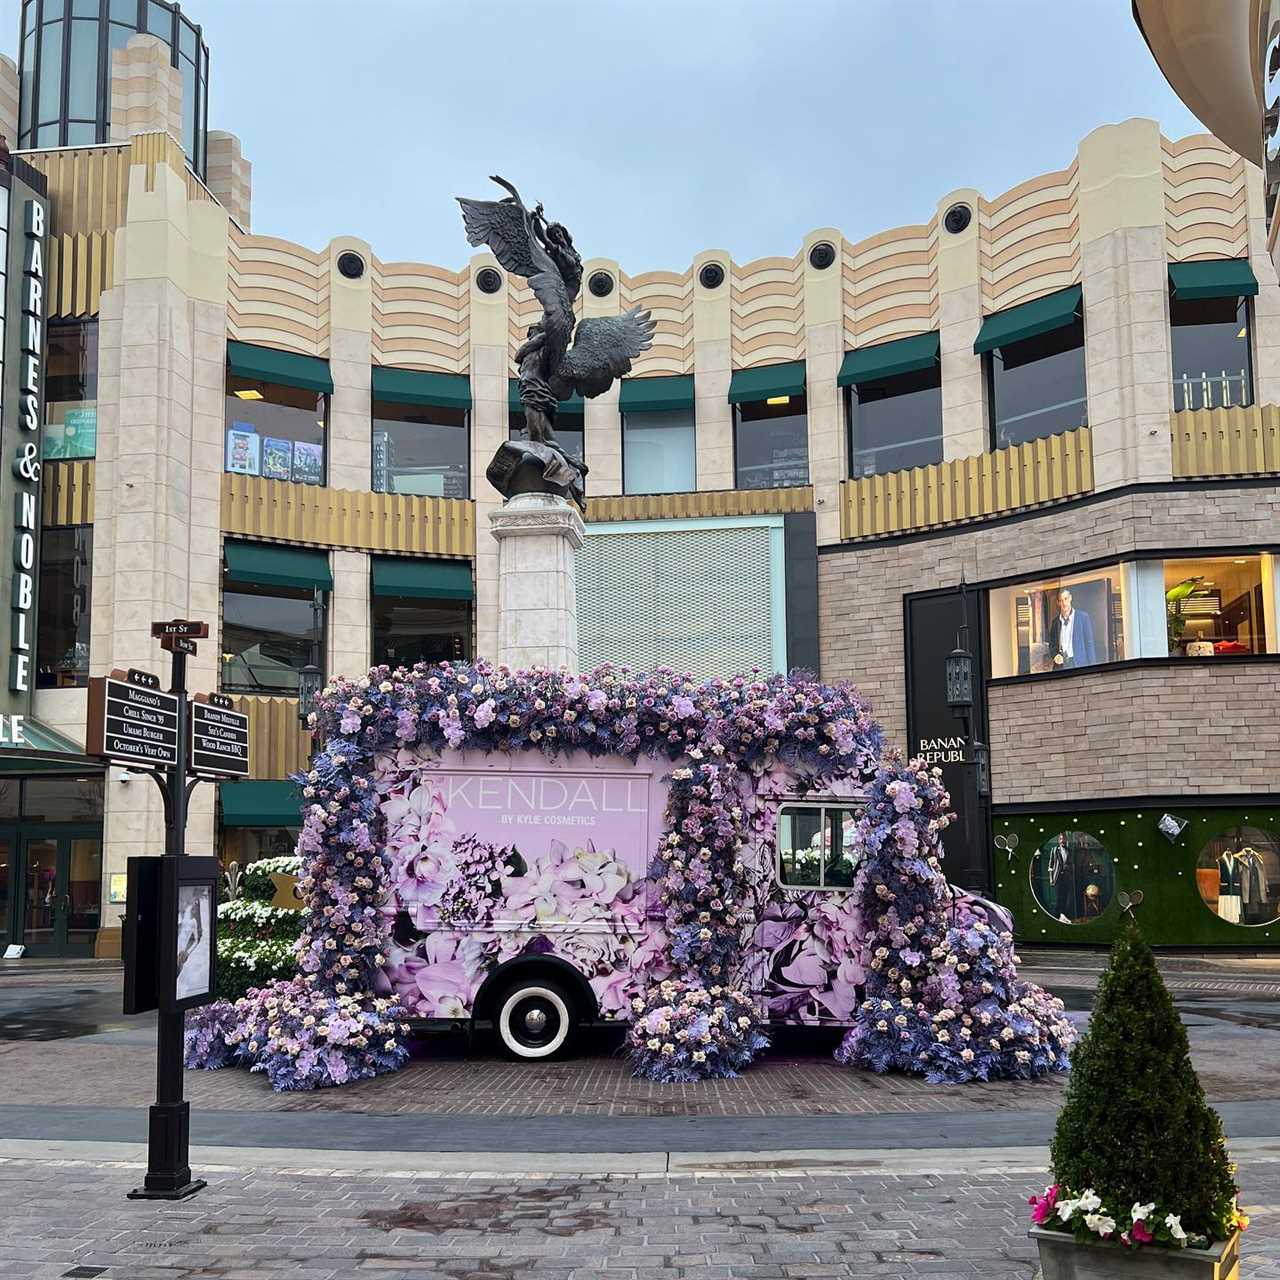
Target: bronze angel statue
x=557, y=357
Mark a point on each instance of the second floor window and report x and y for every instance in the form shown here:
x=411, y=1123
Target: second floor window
x=658, y=452
x=274, y=431
x=771, y=443
x=62, y=638
x=1211, y=364
x=420, y=449
x=1038, y=387
x=71, y=391
x=895, y=424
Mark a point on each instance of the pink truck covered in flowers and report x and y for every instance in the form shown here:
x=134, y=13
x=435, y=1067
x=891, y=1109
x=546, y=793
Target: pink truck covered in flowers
x=521, y=893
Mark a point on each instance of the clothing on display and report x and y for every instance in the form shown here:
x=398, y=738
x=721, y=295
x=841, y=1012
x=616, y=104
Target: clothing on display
x=1243, y=896
x=1073, y=878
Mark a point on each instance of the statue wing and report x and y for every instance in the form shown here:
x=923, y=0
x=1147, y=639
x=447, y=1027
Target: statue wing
x=603, y=349
x=503, y=225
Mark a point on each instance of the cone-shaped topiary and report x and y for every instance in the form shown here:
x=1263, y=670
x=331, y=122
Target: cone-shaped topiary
x=1135, y=1129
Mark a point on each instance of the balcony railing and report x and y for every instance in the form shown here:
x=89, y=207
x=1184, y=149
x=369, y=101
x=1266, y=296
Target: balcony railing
x=990, y=484
x=278, y=745
x=1226, y=442
x=350, y=518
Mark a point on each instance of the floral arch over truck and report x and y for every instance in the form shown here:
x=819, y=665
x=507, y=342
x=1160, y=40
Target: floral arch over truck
x=940, y=992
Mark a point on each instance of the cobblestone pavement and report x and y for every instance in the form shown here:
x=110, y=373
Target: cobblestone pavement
x=57, y=1216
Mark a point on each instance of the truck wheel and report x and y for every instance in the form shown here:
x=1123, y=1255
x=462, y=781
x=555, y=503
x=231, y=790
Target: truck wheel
x=535, y=1020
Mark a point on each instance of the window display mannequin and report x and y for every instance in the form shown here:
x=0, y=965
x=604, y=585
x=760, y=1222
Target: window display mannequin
x=1071, y=636
x=1230, y=874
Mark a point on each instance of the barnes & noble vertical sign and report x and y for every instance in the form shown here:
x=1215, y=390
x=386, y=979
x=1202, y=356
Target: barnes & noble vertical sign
x=24, y=226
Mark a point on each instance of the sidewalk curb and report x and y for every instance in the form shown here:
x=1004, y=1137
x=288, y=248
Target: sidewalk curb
x=870, y=1162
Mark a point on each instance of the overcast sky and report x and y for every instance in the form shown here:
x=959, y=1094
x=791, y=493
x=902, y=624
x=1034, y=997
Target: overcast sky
x=657, y=128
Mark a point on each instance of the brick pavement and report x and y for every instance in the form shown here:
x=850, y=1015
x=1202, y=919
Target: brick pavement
x=54, y=1216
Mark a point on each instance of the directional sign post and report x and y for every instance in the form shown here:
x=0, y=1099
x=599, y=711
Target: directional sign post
x=133, y=721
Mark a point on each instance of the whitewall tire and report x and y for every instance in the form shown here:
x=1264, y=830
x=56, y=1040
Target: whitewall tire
x=535, y=1020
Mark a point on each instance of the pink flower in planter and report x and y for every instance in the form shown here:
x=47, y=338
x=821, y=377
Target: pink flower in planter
x=1042, y=1207
x=1140, y=1233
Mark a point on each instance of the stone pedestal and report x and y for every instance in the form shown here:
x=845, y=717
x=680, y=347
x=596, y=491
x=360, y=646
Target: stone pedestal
x=537, y=536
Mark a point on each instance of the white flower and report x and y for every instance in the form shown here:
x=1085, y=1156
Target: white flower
x=1066, y=1208
x=1090, y=1201
x=1140, y=1211
x=1100, y=1223
x=1174, y=1222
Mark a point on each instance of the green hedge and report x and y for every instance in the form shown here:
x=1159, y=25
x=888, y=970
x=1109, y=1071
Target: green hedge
x=255, y=939
x=1172, y=912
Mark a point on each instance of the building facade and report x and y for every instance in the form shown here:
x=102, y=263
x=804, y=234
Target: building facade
x=1048, y=420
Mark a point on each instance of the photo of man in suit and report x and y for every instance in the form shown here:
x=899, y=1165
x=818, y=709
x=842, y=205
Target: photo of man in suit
x=1071, y=635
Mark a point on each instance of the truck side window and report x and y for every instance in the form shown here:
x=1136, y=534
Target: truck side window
x=815, y=846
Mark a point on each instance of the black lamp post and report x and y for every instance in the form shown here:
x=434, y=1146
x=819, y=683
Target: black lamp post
x=311, y=678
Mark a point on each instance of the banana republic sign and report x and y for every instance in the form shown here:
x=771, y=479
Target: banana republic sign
x=25, y=232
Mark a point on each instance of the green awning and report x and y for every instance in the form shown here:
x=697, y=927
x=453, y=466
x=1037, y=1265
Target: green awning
x=766, y=382
x=889, y=359
x=265, y=565
x=44, y=750
x=413, y=386
x=260, y=804
x=656, y=395
x=1213, y=278
x=574, y=404
x=1030, y=319
x=266, y=364
x=422, y=579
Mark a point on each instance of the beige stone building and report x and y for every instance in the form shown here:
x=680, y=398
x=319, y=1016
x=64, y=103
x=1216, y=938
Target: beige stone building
x=1065, y=396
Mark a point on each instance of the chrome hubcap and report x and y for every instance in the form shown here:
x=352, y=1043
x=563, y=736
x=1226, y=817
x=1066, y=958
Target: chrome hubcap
x=535, y=1021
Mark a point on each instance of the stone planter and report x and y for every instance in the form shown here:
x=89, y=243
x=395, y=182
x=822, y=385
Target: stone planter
x=1062, y=1258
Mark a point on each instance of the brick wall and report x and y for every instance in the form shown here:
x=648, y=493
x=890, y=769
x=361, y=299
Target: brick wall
x=860, y=589
x=1183, y=730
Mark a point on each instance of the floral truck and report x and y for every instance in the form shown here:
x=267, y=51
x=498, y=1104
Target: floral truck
x=536, y=850
x=521, y=893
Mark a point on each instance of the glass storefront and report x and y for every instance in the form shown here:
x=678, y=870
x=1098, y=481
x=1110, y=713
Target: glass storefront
x=51, y=864
x=275, y=432
x=1058, y=624
x=1216, y=606
x=1194, y=873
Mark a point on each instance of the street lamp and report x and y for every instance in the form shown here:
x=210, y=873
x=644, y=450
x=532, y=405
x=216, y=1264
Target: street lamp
x=311, y=678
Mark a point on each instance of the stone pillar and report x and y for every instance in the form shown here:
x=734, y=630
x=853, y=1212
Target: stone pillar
x=230, y=175
x=602, y=422
x=538, y=536
x=1266, y=306
x=157, y=552
x=712, y=369
x=146, y=91
x=489, y=421
x=350, y=623
x=350, y=443
x=965, y=424
x=9, y=100
x=1128, y=364
x=824, y=353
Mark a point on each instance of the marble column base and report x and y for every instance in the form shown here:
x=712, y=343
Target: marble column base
x=538, y=535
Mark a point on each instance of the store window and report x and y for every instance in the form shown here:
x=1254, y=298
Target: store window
x=71, y=391
x=1211, y=364
x=62, y=640
x=816, y=848
x=244, y=845
x=895, y=424
x=1214, y=606
x=269, y=634
x=1238, y=875
x=275, y=431
x=658, y=452
x=1073, y=877
x=1058, y=624
x=1037, y=386
x=420, y=449
x=406, y=631
x=771, y=443
x=570, y=429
